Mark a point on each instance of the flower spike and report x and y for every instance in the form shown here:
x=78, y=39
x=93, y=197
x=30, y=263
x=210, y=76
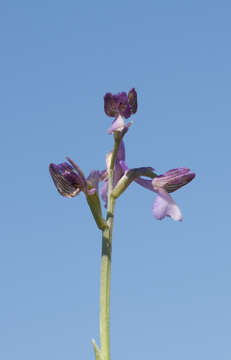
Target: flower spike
x=70, y=180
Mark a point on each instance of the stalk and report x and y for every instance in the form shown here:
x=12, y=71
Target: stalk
x=105, y=277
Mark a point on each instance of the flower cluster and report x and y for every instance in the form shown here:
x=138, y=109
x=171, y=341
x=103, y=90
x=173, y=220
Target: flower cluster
x=70, y=180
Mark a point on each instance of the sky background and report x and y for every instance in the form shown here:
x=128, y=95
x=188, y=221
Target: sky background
x=171, y=290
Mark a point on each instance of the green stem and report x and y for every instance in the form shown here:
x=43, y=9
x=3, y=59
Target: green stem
x=94, y=204
x=105, y=278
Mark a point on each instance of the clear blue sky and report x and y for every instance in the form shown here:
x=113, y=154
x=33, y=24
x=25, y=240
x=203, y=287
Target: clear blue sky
x=171, y=290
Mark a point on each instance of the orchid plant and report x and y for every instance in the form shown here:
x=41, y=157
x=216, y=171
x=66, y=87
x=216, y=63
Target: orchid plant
x=70, y=181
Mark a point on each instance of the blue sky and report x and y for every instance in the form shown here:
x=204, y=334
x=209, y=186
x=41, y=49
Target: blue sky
x=170, y=281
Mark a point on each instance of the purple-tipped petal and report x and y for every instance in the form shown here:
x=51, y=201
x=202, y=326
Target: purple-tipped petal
x=67, y=182
x=164, y=205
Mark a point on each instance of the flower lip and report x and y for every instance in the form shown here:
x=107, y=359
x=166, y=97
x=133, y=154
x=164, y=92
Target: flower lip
x=65, y=179
x=164, y=206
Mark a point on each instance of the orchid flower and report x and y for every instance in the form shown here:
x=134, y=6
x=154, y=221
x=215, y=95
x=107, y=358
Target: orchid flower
x=120, y=106
x=164, y=184
x=67, y=182
x=172, y=180
x=70, y=181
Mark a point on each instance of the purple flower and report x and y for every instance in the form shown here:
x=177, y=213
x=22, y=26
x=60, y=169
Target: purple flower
x=70, y=180
x=164, y=184
x=67, y=182
x=120, y=106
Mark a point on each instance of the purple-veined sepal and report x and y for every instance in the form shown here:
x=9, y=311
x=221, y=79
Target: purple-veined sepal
x=67, y=182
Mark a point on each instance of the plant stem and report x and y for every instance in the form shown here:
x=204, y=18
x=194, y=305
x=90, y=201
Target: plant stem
x=105, y=292
x=105, y=277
